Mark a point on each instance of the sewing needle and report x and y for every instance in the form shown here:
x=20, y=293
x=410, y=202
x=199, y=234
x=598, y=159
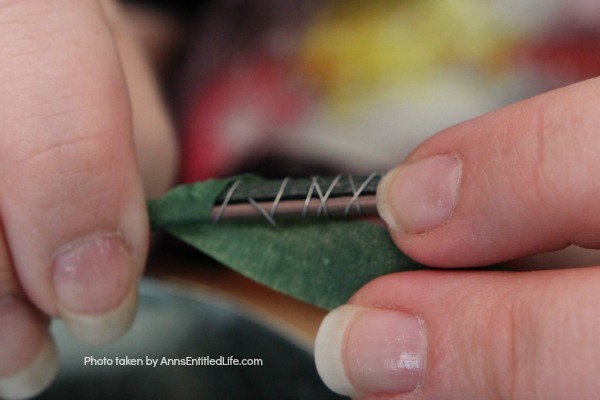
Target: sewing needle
x=341, y=196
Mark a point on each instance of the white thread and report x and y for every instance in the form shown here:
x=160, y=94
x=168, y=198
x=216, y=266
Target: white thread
x=323, y=206
x=278, y=197
x=262, y=211
x=357, y=192
x=226, y=200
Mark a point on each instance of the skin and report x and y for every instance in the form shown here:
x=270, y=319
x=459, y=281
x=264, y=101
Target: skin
x=82, y=126
x=529, y=184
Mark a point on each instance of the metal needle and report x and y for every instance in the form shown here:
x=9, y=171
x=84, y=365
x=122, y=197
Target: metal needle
x=342, y=196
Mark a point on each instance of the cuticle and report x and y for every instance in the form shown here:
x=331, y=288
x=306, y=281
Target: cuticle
x=82, y=239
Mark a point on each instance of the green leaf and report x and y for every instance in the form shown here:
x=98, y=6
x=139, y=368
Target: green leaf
x=189, y=204
x=322, y=262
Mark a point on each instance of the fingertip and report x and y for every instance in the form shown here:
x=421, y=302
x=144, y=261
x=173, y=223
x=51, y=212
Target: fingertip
x=95, y=284
x=361, y=351
x=384, y=208
x=420, y=196
x=329, y=347
x=35, y=377
x=102, y=328
x=28, y=358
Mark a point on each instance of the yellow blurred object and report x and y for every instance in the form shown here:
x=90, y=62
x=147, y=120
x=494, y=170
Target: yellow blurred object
x=354, y=49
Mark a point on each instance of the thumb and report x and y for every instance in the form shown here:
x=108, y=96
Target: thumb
x=515, y=182
x=466, y=335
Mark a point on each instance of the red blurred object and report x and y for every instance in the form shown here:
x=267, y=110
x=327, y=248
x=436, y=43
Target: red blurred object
x=235, y=116
x=566, y=55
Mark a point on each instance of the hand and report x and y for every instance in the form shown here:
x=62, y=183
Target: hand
x=74, y=231
x=512, y=183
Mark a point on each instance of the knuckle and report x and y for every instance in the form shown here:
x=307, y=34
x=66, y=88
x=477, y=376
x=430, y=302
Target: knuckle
x=521, y=334
x=507, y=346
x=523, y=149
x=58, y=172
x=49, y=126
x=56, y=138
x=64, y=152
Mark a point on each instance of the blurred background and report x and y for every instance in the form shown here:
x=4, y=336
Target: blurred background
x=349, y=85
x=302, y=87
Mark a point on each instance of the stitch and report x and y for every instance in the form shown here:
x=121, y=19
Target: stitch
x=232, y=189
x=278, y=197
x=309, y=197
x=323, y=206
x=262, y=211
x=357, y=192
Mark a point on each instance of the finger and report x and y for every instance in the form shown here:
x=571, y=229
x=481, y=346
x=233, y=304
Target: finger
x=156, y=145
x=454, y=335
x=28, y=360
x=72, y=200
x=511, y=183
x=161, y=34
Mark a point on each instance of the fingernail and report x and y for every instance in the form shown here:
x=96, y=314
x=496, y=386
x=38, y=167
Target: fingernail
x=361, y=351
x=95, y=288
x=28, y=359
x=420, y=196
